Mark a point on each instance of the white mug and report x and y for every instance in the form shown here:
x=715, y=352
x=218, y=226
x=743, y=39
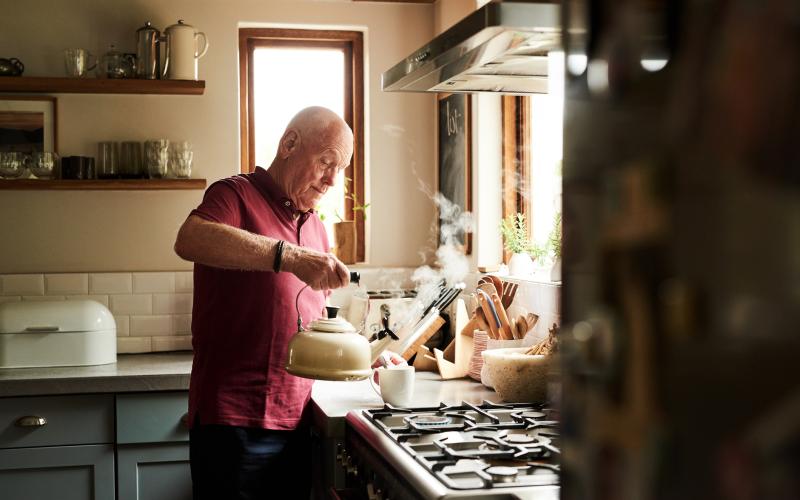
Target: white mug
x=395, y=385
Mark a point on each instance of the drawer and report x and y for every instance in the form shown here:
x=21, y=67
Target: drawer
x=56, y=420
x=153, y=417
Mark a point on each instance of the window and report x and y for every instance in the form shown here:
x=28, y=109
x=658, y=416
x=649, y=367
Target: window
x=285, y=70
x=532, y=155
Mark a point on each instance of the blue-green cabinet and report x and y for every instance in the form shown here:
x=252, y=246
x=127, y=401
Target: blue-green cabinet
x=95, y=447
x=63, y=472
x=153, y=446
x=57, y=447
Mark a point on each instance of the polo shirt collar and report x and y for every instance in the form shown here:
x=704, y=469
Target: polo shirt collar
x=275, y=193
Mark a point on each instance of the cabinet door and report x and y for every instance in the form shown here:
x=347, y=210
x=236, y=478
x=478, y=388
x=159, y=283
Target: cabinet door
x=63, y=472
x=154, y=472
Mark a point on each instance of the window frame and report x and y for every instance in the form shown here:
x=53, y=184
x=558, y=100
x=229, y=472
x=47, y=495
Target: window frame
x=516, y=166
x=352, y=44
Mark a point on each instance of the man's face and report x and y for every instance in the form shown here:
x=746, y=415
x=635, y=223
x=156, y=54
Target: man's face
x=317, y=163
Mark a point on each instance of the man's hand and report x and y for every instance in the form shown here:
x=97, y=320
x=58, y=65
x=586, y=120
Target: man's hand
x=322, y=271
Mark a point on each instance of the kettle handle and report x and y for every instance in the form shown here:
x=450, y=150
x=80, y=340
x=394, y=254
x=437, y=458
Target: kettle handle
x=201, y=53
x=164, y=39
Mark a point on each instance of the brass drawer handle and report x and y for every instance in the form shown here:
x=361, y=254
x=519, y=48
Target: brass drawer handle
x=185, y=419
x=31, y=421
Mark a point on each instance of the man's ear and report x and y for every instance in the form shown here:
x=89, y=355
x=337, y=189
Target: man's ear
x=289, y=143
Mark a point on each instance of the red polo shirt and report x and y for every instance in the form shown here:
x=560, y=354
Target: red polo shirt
x=242, y=320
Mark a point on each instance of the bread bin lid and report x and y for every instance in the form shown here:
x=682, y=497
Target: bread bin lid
x=55, y=316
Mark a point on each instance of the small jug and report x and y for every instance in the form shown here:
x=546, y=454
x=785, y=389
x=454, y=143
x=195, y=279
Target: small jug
x=183, y=51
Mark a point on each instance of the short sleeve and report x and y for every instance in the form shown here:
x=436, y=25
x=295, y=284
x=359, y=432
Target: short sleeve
x=222, y=204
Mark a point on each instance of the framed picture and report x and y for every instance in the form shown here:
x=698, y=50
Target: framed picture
x=27, y=124
x=454, y=172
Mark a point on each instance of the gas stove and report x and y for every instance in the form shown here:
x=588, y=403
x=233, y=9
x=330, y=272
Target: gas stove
x=486, y=450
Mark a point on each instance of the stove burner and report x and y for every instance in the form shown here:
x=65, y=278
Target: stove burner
x=502, y=474
x=432, y=420
x=533, y=414
x=519, y=438
x=471, y=445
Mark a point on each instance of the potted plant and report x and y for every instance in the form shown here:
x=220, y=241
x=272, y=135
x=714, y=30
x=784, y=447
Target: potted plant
x=554, y=246
x=344, y=231
x=516, y=241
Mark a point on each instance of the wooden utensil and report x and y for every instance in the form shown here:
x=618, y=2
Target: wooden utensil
x=505, y=326
x=509, y=291
x=521, y=327
x=498, y=284
x=485, y=302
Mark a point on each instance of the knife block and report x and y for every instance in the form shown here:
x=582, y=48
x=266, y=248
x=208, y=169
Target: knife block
x=453, y=362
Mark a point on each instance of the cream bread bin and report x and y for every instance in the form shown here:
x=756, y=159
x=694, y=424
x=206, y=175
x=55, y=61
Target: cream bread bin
x=56, y=333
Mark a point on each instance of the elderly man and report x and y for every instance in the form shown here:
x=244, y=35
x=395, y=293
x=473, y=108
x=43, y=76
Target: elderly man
x=256, y=242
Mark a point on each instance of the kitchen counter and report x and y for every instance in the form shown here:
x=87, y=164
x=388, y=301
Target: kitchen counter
x=332, y=400
x=131, y=373
x=170, y=372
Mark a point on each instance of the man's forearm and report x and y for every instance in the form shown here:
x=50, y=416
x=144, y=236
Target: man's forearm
x=226, y=247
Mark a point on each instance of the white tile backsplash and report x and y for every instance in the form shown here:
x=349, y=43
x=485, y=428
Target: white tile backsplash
x=153, y=282
x=66, y=284
x=151, y=325
x=181, y=343
x=123, y=325
x=134, y=344
x=110, y=283
x=172, y=303
x=182, y=324
x=131, y=304
x=43, y=298
x=22, y=284
x=103, y=299
x=152, y=310
x=184, y=281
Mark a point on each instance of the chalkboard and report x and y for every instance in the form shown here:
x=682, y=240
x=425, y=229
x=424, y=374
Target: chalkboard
x=454, y=169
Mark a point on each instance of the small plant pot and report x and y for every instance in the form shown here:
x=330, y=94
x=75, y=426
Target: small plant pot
x=344, y=234
x=520, y=264
x=555, y=271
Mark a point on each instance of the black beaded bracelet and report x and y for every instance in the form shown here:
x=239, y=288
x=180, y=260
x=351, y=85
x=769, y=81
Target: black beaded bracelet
x=276, y=265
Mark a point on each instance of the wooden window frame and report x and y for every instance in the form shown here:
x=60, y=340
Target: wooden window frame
x=516, y=157
x=352, y=43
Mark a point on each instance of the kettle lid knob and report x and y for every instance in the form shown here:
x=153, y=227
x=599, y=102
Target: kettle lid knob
x=332, y=311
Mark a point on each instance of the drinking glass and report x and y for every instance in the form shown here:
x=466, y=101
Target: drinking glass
x=43, y=164
x=79, y=62
x=130, y=160
x=108, y=160
x=156, y=156
x=181, y=159
x=12, y=164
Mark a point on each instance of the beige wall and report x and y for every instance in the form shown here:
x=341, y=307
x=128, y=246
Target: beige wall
x=51, y=231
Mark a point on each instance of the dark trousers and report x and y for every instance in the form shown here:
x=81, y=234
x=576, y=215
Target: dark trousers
x=247, y=464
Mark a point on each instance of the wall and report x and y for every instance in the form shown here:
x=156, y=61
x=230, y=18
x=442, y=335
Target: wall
x=88, y=231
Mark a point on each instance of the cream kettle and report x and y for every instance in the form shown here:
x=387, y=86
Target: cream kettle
x=183, y=51
x=332, y=349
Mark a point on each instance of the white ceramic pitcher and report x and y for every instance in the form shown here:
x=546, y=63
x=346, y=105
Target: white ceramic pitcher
x=183, y=51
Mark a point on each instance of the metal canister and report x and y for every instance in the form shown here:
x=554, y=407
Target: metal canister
x=148, y=40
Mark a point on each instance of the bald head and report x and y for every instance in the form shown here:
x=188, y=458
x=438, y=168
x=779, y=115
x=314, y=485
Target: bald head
x=315, y=146
x=316, y=121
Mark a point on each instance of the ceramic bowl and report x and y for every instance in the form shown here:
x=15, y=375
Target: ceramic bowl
x=517, y=377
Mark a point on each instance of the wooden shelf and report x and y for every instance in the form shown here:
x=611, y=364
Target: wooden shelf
x=102, y=184
x=37, y=84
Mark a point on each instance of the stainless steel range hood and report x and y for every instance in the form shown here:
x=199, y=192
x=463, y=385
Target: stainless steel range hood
x=501, y=47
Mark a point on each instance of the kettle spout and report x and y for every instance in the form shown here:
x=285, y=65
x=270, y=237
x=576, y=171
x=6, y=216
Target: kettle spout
x=379, y=345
